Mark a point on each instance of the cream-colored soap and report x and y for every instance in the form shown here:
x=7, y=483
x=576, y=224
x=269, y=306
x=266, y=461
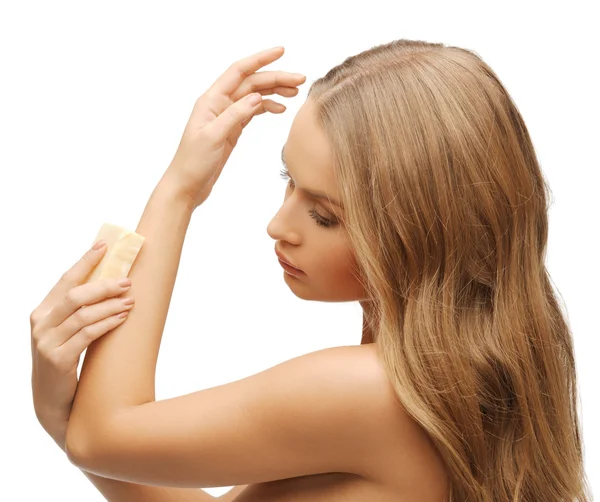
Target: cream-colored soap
x=123, y=247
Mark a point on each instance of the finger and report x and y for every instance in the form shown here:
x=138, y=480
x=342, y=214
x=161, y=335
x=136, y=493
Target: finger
x=200, y=115
x=233, y=77
x=220, y=128
x=287, y=92
x=87, y=317
x=268, y=105
x=81, y=340
x=75, y=276
x=83, y=295
x=267, y=80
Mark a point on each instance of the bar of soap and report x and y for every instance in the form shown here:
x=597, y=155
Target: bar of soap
x=123, y=247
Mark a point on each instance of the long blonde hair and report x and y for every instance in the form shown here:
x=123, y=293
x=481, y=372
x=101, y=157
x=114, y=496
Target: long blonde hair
x=446, y=210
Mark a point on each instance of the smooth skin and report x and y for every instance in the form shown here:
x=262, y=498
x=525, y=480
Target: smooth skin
x=333, y=424
x=219, y=117
x=71, y=316
x=74, y=314
x=62, y=327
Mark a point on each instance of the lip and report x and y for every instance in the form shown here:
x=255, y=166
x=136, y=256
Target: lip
x=291, y=271
x=285, y=261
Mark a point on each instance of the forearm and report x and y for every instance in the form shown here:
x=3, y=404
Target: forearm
x=119, y=368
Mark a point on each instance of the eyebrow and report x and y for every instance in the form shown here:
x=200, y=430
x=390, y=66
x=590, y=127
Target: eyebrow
x=315, y=194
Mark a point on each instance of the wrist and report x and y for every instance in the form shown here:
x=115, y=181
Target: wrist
x=170, y=189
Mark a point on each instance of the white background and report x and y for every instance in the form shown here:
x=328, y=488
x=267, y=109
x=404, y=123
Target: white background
x=94, y=98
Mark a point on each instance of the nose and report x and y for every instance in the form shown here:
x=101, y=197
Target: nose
x=281, y=228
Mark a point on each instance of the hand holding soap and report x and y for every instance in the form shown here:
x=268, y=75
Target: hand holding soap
x=123, y=247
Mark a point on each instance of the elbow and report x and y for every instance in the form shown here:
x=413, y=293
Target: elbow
x=90, y=446
x=76, y=446
x=83, y=440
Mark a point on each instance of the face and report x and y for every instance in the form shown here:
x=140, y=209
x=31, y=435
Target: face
x=310, y=231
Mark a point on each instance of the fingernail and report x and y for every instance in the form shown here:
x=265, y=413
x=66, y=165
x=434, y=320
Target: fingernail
x=99, y=245
x=124, y=282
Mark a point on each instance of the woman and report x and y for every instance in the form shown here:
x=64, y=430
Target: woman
x=413, y=188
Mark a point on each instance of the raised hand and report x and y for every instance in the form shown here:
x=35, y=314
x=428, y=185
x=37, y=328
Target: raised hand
x=218, y=118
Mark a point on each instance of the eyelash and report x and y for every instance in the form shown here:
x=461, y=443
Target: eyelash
x=320, y=221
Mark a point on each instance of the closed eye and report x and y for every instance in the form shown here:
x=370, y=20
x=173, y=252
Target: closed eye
x=320, y=220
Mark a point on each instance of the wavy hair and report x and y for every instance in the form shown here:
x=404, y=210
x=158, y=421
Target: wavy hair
x=446, y=211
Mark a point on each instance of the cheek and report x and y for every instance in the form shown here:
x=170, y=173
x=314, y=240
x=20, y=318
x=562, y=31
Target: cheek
x=337, y=265
x=339, y=280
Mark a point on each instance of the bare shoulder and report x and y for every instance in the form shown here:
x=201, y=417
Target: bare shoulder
x=320, y=414
x=386, y=456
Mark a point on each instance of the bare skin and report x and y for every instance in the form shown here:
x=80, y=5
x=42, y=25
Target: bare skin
x=390, y=459
x=322, y=252
x=404, y=464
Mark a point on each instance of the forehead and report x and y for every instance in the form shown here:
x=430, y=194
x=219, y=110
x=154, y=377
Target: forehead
x=308, y=154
